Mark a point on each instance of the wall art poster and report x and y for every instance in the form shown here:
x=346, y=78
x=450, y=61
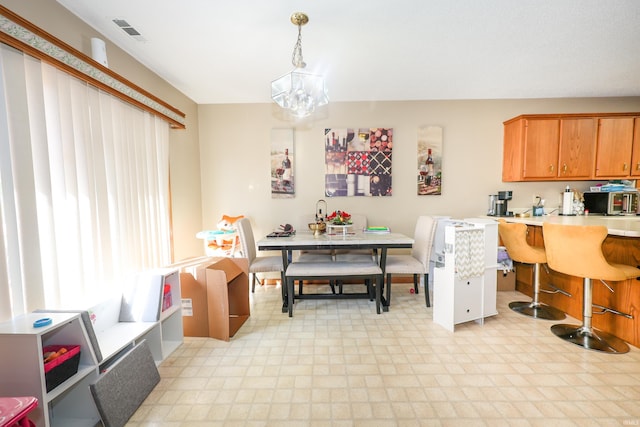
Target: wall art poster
x=282, y=164
x=429, y=161
x=358, y=161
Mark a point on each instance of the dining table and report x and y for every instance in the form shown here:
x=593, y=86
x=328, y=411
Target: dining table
x=378, y=242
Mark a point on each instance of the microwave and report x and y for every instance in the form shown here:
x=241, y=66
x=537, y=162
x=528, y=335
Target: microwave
x=611, y=202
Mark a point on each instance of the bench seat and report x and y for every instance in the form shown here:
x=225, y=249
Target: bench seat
x=333, y=271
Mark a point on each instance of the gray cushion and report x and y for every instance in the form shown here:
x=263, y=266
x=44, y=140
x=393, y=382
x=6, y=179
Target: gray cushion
x=125, y=385
x=332, y=269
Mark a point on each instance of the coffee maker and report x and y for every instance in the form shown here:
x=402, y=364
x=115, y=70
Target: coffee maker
x=498, y=204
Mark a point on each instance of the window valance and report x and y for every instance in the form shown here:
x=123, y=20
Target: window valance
x=24, y=36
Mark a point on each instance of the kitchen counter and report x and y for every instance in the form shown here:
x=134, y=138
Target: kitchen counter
x=622, y=246
x=628, y=226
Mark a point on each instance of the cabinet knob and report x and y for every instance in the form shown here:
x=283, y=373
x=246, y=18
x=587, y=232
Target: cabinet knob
x=624, y=167
x=550, y=168
x=638, y=166
x=564, y=168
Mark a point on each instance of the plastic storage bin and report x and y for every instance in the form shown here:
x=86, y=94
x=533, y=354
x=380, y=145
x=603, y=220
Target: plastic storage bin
x=62, y=367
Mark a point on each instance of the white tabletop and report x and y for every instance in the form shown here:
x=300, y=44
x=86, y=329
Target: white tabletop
x=358, y=240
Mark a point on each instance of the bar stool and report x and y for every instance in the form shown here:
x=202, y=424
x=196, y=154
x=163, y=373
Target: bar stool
x=576, y=250
x=514, y=238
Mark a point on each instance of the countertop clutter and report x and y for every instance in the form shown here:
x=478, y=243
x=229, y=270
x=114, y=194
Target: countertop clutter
x=622, y=225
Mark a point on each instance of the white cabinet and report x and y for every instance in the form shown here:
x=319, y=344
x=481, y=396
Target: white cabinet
x=466, y=296
x=70, y=404
x=22, y=369
x=151, y=310
x=465, y=286
x=171, y=332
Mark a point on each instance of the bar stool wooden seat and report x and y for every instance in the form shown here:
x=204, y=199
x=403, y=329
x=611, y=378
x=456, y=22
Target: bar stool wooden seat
x=576, y=250
x=514, y=238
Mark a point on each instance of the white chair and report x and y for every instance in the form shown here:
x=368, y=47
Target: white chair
x=262, y=264
x=418, y=262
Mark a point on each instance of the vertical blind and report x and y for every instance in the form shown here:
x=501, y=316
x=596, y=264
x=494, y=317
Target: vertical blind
x=84, y=184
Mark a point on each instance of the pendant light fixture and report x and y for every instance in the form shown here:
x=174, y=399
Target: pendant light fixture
x=298, y=91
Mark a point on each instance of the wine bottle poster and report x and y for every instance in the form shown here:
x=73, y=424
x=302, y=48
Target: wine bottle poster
x=282, y=164
x=429, y=161
x=358, y=161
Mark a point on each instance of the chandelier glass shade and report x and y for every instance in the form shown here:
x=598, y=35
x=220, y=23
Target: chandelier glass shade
x=299, y=91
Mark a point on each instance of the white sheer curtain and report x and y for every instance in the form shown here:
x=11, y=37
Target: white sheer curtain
x=83, y=188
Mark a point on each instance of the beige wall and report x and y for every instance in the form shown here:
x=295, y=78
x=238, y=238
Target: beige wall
x=184, y=150
x=220, y=163
x=235, y=145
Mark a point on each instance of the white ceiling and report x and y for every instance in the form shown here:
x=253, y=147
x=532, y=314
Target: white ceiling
x=229, y=51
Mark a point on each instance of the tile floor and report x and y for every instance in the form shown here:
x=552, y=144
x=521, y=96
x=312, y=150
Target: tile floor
x=337, y=363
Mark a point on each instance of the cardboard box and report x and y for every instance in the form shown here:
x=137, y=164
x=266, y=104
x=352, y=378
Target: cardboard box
x=506, y=281
x=215, y=303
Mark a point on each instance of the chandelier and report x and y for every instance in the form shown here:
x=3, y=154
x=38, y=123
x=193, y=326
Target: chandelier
x=298, y=91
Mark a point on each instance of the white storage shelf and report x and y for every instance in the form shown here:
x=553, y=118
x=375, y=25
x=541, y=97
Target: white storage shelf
x=70, y=404
x=163, y=336
x=462, y=300
x=171, y=332
x=22, y=369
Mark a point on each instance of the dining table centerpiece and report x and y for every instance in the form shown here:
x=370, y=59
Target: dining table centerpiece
x=339, y=218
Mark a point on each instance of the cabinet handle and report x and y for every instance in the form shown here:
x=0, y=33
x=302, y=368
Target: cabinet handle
x=550, y=168
x=624, y=167
x=564, y=168
x=638, y=166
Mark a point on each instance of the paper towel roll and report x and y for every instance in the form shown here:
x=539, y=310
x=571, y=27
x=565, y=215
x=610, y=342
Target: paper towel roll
x=99, y=51
x=567, y=203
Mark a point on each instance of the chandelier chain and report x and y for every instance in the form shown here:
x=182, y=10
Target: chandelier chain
x=296, y=57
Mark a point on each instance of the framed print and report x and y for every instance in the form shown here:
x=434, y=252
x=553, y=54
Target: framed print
x=282, y=164
x=358, y=162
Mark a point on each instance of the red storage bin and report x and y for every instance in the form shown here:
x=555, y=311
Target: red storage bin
x=62, y=367
x=14, y=411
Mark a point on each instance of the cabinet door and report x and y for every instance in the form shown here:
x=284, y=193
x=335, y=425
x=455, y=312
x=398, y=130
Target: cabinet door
x=467, y=300
x=512, y=150
x=615, y=139
x=542, y=138
x=577, y=148
x=635, y=154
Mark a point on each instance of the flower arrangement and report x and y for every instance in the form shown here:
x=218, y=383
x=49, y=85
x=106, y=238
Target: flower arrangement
x=339, y=218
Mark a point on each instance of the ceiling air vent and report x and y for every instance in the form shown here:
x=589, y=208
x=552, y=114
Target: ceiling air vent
x=128, y=28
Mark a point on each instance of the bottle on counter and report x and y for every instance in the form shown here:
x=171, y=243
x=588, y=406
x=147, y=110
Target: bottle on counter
x=567, y=201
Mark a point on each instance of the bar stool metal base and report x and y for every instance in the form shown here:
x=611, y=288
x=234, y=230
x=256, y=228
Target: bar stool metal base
x=590, y=338
x=537, y=311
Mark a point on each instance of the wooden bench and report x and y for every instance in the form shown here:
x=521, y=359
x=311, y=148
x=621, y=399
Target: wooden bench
x=338, y=270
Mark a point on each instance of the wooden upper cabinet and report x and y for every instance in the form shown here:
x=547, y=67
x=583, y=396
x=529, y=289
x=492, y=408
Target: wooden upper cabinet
x=540, y=148
x=615, y=141
x=530, y=149
x=635, y=152
x=548, y=148
x=577, y=148
x=559, y=147
x=512, y=150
